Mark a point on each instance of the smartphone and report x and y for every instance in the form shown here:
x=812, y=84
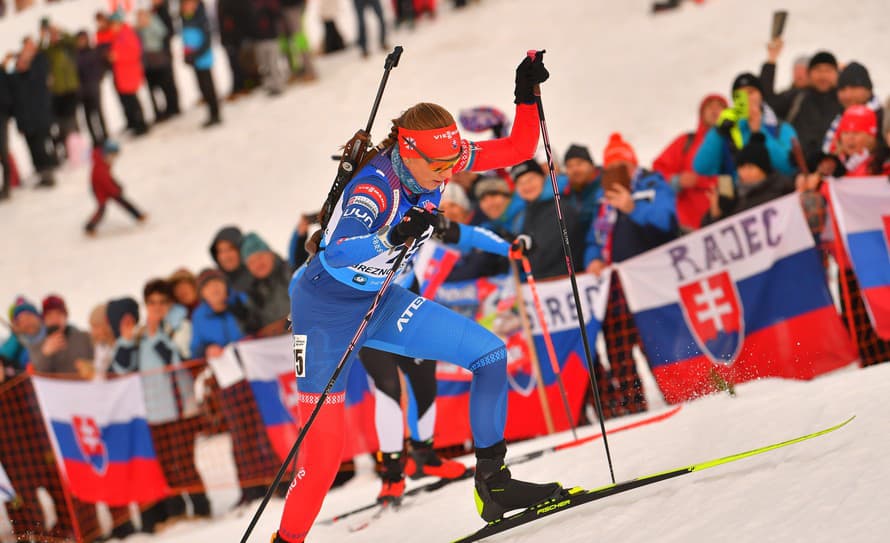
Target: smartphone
x=725, y=186
x=51, y=330
x=616, y=175
x=740, y=103
x=779, y=19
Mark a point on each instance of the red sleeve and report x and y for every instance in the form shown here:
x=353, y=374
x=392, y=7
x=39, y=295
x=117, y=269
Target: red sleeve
x=671, y=161
x=519, y=146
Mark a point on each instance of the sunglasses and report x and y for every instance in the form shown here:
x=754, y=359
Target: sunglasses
x=437, y=165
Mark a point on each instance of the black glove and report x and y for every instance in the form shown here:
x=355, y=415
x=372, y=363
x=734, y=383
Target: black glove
x=445, y=230
x=413, y=225
x=521, y=247
x=528, y=74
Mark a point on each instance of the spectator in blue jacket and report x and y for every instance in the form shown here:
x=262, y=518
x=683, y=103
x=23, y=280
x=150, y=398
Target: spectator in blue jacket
x=629, y=220
x=215, y=323
x=27, y=330
x=716, y=155
x=198, y=50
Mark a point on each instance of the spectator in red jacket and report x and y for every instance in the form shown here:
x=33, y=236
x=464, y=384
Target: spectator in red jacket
x=105, y=187
x=675, y=164
x=125, y=55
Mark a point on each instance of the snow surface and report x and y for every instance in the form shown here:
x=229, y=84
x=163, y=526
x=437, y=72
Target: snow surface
x=613, y=67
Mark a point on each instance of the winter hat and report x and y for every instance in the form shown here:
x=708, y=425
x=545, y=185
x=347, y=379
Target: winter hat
x=530, y=165
x=858, y=119
x=110, y=147
x=854, y=75
x=118, y=16
x=116, y=311
x=456, y=194
x=822, y=57
x=578, y=151
x=802, y=60
x=54, y=302
x=492, y=185
x=180, y=275
x=251, y=244
x=618, y=150
x=755, y=153
x=209, y=274
x=747, y=79
x=232, y=234
x=22, y=305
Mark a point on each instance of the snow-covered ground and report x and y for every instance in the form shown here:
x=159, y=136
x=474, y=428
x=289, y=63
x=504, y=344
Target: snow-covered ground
x=614, y=67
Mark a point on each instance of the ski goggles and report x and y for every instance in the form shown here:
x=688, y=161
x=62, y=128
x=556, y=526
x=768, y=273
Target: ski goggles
x=438, y=165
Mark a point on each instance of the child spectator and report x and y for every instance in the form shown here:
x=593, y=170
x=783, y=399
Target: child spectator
x=106, y=187
x=65, y=350
x=27, y=329
x=216, y=322
x=185, y=289
x=198, y=50
x=758, y=183
x=856, y=143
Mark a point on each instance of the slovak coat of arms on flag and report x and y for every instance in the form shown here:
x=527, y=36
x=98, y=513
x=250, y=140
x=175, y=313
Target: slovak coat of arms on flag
x=713, y=311
x=89, y=441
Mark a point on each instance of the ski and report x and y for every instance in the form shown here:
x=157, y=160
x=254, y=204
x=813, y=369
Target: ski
x=579, y=496
x=428, y=487
x=381, y=509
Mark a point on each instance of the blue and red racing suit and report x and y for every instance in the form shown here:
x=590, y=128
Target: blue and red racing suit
x=337, y=287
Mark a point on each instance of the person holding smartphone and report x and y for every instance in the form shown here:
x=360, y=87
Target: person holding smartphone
x=65, y=350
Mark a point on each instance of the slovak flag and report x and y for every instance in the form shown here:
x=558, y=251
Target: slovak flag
x=7, y=494
x=740, y=299
x=862, y=208
x=432, y=266
x=269, y=367
x=102, y=439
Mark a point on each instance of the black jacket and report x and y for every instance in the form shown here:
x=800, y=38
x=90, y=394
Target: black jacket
x=267, y=19
x=810, y=112
x=774, y=186
x=235, y=18
x=540, y=222
x=31, y=97
x=91, y=68
x=5, y=96
x=162, y=10
x=268, y=299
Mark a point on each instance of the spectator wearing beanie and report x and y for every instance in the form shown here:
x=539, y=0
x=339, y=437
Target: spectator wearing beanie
x=539, y=221
x=226, y=253
x=856, y=143
x=733, y=130
x=675, y=164
x=631, y=219
x=65, y=350
x=854, y=88
x=584, y=180
x=269, y=301
x=27, y=330
x=217, y=321
x=494, y=197
x=758, y=183
x=811, y=110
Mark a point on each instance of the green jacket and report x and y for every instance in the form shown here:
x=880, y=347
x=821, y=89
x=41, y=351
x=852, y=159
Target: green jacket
x=62, y=66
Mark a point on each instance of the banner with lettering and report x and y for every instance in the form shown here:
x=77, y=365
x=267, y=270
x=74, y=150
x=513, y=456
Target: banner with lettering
x=269, y=367
x=491, y=301
x=862, y=208
x=740, y=299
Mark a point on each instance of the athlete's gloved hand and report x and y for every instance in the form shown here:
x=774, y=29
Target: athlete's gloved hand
x=521, y=247
x=415, y=222
x=528, y=74
x=445, y=230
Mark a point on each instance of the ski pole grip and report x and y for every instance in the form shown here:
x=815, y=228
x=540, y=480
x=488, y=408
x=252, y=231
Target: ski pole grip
x=533, y=54
x=392, y=59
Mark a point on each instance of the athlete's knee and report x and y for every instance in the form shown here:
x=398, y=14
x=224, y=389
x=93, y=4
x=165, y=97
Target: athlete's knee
x=491, y=362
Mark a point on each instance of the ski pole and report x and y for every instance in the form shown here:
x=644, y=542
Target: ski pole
x=532, y=353
x=327, y=389
x=570, y=267
x=548, y=342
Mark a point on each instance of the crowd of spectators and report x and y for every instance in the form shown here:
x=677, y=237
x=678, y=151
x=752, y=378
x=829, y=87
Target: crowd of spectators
x=51, y=86
x=756, y=145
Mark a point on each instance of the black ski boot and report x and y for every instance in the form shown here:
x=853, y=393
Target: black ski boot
x=497, y=492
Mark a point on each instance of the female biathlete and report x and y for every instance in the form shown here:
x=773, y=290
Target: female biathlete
x=391, y=199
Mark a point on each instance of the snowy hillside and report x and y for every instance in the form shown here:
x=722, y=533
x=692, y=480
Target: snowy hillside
x=614, y=68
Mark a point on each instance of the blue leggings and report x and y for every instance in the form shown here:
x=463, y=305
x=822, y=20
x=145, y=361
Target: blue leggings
x=329, y=313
